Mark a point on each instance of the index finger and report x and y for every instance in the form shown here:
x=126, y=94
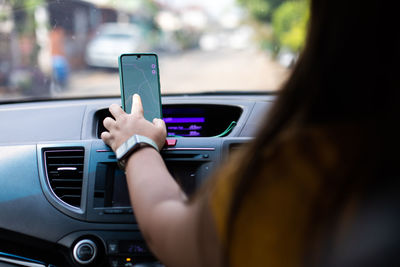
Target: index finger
x=116, y=110
x=137, y=107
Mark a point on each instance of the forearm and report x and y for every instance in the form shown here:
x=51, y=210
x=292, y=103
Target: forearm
x=167, y=222
x=149, y=182
x=150, y=185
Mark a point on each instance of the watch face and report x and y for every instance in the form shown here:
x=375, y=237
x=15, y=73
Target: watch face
x=121, y=151
x=127, y=147
x=133, y=143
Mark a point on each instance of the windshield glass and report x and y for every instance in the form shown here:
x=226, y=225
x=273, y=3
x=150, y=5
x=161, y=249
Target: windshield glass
x=70, y=48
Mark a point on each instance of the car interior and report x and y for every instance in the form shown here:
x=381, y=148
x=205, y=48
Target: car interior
x=66, y=200
x=63, y=198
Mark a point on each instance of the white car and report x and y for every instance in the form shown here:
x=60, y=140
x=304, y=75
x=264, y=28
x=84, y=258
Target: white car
x=112, y=40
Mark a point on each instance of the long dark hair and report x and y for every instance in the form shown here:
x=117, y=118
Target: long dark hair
x=344, y=74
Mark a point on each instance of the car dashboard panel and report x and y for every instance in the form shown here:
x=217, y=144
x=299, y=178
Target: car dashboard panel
x=61, y=186
x=198, y=120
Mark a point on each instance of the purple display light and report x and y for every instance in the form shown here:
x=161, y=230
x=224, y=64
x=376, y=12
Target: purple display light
x=185, y=126
x=195, y=127
x=194, y=133
x=175, y=128
x=184, y=120
x=182, y=128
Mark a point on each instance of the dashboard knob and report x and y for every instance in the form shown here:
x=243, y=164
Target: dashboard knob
x=85, y=251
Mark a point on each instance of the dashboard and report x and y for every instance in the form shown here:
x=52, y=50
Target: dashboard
x=63, y=199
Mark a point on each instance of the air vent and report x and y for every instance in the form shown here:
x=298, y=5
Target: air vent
x=64, y=169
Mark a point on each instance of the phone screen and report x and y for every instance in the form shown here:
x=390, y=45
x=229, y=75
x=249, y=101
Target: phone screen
x=139, y=75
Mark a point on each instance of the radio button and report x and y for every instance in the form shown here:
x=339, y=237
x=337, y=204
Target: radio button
x=170, y=142
x=85, y=251
x=113, y=247
x=113, y=211
x=114, y=263
x=128, y=211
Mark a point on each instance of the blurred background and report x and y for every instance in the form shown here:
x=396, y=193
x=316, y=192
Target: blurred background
x=69, y=48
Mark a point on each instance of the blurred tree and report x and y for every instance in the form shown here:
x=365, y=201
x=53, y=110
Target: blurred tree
x=25, y=76
x=24, y=15
x=288, y=19
x=289, y=23
x=261, y=9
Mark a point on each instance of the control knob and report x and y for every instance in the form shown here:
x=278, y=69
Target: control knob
x=85, y=251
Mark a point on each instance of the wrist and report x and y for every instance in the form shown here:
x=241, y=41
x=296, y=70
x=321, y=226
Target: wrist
x=132, y=145
x=143, y=152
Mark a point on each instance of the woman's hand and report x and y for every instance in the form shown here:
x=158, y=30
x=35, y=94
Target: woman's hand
x=125, y=125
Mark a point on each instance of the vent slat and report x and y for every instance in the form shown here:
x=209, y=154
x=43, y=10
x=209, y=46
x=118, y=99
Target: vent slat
x=64, y=180
x=65, y=157
x=64, y=164
x=56, y=188
x=70, y=196
x=58, y=172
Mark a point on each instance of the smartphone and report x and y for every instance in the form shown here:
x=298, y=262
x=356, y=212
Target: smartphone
x=139, y=74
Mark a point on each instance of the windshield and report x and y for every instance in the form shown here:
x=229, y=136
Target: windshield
x=70, y=48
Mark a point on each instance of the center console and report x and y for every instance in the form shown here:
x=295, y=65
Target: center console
x=82, y=181
x=104, y=197
x=108, y=197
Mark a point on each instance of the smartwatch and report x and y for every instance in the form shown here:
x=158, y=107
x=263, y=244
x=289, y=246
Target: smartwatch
x=131, y=145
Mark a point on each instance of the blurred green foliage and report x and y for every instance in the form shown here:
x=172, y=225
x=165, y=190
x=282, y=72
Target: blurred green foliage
x=287, y=18
x=289, y=22
x=261, y=9
x=24, y=12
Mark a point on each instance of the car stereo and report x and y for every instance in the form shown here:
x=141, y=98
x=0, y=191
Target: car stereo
x=110, y=189
x=108, y=197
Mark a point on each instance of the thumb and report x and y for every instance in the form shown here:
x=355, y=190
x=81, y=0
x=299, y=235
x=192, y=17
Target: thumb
x=162, y=132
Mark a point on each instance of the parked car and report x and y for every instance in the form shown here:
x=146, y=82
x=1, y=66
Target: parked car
x=112, y=40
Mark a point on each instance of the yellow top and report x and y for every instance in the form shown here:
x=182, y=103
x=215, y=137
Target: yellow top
x=270, y=227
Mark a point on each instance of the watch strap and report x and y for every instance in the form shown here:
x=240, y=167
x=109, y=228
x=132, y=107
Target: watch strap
x=133, y=143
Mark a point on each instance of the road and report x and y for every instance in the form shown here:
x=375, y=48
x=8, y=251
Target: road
x=193, y=71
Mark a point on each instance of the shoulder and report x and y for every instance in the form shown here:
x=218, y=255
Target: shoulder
x=323, y=146
x=295, y=163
